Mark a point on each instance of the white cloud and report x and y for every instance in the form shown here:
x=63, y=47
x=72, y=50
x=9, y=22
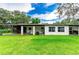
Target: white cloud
x=48, y=4
x=16, y=6
x=48, y=22
x=48, y=16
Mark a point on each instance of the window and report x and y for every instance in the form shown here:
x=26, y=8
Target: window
x=42, y=27
x=60, y=29
x=51, y=29
x=29, y=28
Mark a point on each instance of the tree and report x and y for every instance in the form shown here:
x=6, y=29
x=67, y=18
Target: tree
x=12, y=17
x=35, y=20
x=20, y=17
x=69, y=10
x=4, y=15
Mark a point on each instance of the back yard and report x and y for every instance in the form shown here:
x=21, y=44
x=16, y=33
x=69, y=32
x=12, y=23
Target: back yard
x=34, y=45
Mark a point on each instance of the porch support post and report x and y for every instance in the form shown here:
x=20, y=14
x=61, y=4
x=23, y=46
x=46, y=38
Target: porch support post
x=22, y=30
x=33, y=30
x=78, y=30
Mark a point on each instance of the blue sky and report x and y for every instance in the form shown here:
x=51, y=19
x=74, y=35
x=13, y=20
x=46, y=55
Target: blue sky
x=45, y=11
x=41, y=8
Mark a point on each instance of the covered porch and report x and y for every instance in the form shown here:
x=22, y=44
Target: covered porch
x=29, y=30
x=74, y=30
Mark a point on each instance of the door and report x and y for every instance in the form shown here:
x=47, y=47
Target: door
x=24, y=30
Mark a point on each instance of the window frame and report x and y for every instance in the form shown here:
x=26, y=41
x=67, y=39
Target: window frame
x=60, y=30
x=51, y=29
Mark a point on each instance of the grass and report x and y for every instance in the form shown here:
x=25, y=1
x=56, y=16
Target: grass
x=39, y=45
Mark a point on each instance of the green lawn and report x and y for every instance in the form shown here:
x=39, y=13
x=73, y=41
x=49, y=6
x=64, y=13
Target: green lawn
x=34, y=45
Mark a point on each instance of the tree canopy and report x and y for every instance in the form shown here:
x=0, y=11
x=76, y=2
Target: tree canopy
x=69, y=11
x=13, y=17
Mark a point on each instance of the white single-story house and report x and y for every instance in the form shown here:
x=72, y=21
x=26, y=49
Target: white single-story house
x=45, y=29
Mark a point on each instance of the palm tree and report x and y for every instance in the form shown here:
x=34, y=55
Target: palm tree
x=35, y=20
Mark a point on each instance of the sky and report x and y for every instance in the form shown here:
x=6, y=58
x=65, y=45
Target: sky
x=45, y=11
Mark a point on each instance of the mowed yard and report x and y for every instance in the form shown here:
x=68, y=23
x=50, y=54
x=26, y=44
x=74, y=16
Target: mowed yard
x=39, y=45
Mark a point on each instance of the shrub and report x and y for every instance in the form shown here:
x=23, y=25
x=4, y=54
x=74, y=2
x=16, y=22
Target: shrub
x=5, y=31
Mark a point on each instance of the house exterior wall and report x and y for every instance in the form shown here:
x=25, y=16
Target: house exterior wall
x=34, y=29
x=29, y=31
x=66, y=30
x=38, y=29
